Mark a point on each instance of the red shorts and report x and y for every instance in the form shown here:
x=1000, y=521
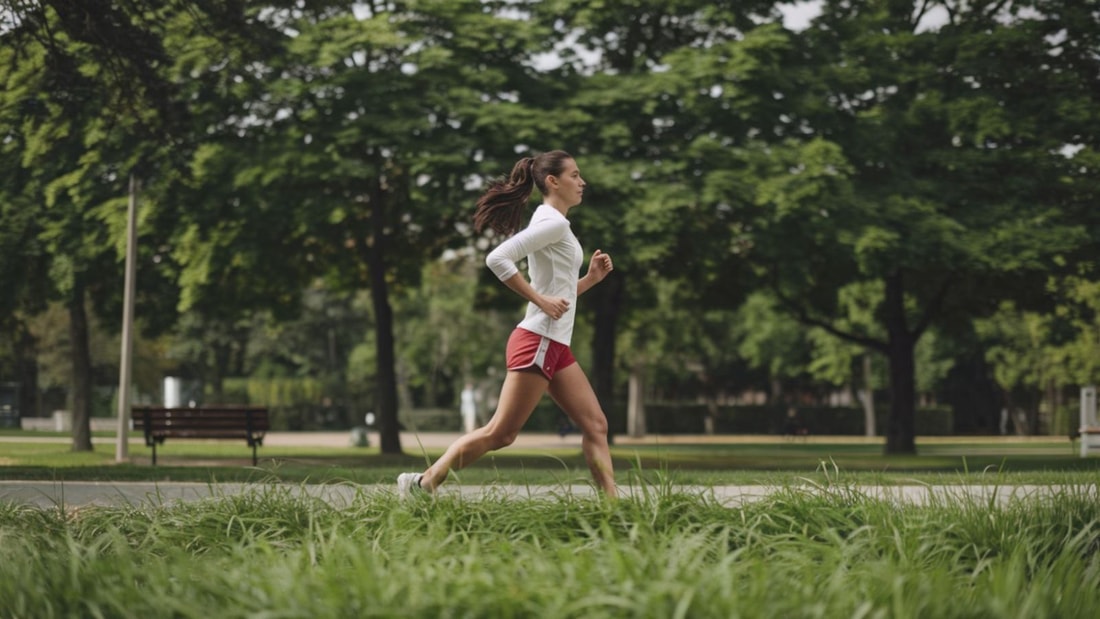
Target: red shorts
x=527, y=350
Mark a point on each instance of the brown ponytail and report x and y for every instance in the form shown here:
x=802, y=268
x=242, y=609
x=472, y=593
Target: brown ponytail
x=501, y=206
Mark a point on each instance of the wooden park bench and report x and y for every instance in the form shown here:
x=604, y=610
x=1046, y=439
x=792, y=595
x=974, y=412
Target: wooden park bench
x=1088, y=432
x=205, y=422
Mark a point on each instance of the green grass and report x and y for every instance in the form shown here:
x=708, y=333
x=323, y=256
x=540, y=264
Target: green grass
x=832, y=552
x=773, y=463
x=39, y=434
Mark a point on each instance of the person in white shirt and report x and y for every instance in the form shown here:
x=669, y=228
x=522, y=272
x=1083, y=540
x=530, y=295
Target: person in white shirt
x=468, y=408
x=538, y=355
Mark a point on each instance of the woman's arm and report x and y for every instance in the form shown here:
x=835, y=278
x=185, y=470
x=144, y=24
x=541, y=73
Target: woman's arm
x=502, y=261
x=598, y=268
x=554, y=307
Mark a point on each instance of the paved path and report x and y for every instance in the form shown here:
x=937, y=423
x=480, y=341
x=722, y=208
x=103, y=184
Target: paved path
x=80, y=494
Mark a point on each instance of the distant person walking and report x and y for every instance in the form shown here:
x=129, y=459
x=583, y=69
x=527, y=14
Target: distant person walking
x=468, y=408
x=538, y=356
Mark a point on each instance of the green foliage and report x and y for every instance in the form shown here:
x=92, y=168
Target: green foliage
x=54, y=360
x=445, y=340
x=1018, y=346
x=277, y=392
x=1080, y=355
x=879, y=178
x=769, y=339
x=685, y=345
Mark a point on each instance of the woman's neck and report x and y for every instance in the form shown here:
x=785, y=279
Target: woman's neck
x=558, y=205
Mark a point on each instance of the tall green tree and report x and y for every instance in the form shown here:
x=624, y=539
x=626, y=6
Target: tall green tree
x=625, y=116
x=24, y=259
x=926, y=163
x=89, y=83
x=364, y=145
x=55, y=144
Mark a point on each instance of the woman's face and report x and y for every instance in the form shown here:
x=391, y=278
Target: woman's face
x=568, y=186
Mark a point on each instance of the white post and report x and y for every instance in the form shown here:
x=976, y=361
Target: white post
x=635, y=403
x=1088, y=418
x=125, y=370
x=867, y=398
x=173, y=392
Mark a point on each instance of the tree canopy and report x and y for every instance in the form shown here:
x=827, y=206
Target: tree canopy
x=911, y=183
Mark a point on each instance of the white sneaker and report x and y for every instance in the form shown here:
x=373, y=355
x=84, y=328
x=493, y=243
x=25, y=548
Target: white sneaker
x=408, y=483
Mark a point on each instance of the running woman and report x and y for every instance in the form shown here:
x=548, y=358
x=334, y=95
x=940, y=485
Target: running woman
x=538, y=356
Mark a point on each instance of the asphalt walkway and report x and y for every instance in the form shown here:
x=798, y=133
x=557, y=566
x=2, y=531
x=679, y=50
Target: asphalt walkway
x=75, y=494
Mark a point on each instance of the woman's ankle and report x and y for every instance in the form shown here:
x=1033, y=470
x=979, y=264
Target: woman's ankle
x=430, y=480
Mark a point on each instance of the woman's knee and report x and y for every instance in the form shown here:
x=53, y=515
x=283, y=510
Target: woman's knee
x=594, y=425
x=501, y=438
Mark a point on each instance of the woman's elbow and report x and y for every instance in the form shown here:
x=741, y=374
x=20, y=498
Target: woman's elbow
x=500, y=266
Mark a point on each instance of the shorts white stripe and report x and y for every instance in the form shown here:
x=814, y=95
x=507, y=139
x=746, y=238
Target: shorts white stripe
x=540, y=353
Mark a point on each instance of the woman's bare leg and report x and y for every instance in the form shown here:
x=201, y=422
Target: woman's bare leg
x=519, y=395
x=573, y=393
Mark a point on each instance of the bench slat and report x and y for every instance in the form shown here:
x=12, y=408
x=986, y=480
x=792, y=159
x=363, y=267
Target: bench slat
x=191, y=433
x=206, y=423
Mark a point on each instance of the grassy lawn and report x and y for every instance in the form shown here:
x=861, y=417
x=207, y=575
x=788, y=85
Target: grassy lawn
x=823, y=549
x=772, y=463
x=797, y=553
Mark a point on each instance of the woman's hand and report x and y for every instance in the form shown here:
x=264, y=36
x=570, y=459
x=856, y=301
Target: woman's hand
x=599, y=266
x=554, y=307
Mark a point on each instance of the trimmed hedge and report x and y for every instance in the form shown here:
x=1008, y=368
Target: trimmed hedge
x=547, y=418
x=689, y=419
x=673, y=418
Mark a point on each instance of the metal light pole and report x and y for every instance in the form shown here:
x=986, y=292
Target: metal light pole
x=122, y=442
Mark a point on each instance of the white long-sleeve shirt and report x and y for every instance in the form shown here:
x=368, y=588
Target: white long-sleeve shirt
x=554, y=258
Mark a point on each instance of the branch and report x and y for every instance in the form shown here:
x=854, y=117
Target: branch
x=803, y=316
x=996, y=8
x=920, y=13
x=950, y=13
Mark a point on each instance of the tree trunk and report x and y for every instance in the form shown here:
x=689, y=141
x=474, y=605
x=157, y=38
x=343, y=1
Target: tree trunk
x=711, y=416
x=609, y=300
x=1033, y=413
x=900, y=433
x=223, y=351
x=26, y=365
x=1012, y=411
x=81, y=396
x=389, y=436
x=240, y=351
